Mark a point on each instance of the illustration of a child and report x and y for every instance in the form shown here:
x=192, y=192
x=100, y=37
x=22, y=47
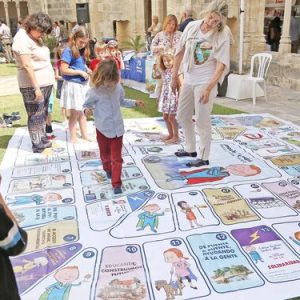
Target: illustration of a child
x=168, y=101
x=188, y=211
x=104, y=98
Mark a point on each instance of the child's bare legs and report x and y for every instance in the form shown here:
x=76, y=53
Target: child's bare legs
x=83, y=126
x=72, y=125
x=169, y=127
x=63, y=113
x=174, y=129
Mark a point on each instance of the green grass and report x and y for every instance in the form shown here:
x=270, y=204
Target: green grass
x=12, y=103
x=8, y=69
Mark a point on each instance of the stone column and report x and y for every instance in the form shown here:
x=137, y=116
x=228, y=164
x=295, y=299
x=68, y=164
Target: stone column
x=6, y=13
x=285, y=41
x=259, y=37
x=18, y=9
x=158, y=9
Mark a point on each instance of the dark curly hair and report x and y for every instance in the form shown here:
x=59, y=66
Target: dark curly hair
x=38, y=21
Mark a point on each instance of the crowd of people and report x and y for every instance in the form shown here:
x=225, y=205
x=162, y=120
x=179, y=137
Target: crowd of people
x=189, y=65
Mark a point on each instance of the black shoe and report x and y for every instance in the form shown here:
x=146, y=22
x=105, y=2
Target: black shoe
x=49, y=129
x=47, y=145
x=38, y=150
x=198, y=163
x=108, y=174
x=118, y=190
x=182, y=153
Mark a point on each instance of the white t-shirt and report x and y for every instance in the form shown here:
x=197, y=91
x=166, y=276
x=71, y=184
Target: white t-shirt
x=204, y=63
x=40, y=60
x=4, y=31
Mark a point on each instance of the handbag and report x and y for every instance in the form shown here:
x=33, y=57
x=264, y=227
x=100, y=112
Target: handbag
x=155, y=72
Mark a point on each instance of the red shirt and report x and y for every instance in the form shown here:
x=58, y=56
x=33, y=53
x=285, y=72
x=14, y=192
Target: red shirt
x=94, y=63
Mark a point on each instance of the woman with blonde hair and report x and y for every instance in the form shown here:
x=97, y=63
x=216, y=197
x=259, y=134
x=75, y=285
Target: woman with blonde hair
x=165, y=40
x=203, y=53
x=168, y=38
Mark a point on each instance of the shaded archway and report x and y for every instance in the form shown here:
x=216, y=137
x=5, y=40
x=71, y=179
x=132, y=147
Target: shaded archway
x=23, y=9
x=13, y=17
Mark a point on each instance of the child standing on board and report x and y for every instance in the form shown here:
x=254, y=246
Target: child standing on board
x=76, y=75
x=104, y=99
x=168, y=101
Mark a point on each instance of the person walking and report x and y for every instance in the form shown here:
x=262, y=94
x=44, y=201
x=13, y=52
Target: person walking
x=6, y=41
x=204, y=52
x=104, y=99
x=35, y=75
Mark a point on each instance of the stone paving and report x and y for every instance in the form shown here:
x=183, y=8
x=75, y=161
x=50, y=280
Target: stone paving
x=282, y=102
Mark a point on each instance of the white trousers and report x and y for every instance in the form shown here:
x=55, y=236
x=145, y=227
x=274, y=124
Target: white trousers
x=188, y=103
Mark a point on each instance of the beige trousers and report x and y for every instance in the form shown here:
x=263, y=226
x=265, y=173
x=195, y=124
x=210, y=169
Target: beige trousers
x=188, y=104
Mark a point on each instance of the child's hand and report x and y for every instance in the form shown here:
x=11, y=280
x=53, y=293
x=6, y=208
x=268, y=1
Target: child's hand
x=140, y=103
x=88, y=112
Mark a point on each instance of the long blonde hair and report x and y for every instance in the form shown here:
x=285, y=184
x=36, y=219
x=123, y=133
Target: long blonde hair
x=107, y=70
x=81, y=32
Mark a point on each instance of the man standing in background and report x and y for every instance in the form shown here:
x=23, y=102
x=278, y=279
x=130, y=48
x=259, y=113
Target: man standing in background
x=6, y=41
x=187, y=17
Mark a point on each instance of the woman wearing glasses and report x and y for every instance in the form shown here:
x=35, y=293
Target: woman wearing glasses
x=35, y=75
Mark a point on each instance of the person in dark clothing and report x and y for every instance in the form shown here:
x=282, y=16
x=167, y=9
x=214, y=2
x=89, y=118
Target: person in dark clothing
x=13, y=241
x=274, y=34
x=187, y=17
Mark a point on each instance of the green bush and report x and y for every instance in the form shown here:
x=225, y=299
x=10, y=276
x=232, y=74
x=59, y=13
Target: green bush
x=50, y=42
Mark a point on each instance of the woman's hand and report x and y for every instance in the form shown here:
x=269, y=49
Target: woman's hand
x=38, y=95
x=174, y=84
x=205, y=96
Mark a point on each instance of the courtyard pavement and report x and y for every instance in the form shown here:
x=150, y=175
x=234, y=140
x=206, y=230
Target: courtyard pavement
x=282, y=102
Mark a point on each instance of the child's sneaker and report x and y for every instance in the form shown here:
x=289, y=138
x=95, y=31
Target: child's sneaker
x=117, y=190
x=108, y=174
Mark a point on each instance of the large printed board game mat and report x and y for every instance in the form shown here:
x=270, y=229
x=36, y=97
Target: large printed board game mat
x=230, y=229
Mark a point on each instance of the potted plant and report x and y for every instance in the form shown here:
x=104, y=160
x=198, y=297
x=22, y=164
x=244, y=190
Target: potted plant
x=133, y=43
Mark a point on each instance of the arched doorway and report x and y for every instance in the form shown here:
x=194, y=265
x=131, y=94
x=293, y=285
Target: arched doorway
x=13, y=17
x=23, y=9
